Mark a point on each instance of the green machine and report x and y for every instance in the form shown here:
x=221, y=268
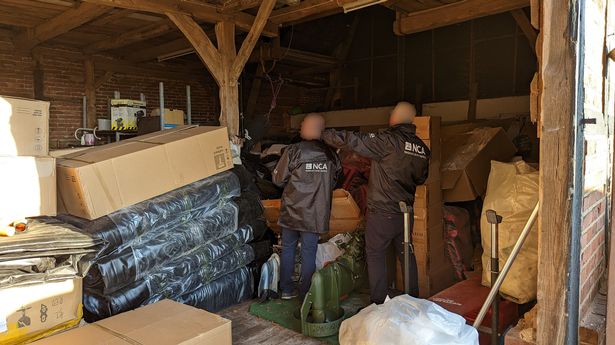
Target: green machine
x=321, y=313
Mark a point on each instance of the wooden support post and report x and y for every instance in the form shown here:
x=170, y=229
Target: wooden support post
x=90, y=92
x=255, y=90
x=557, y=70
x=524, y=24
x=224, y=63
x=340, y=53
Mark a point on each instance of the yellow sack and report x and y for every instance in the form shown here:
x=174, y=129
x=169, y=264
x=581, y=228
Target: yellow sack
x=512, y=191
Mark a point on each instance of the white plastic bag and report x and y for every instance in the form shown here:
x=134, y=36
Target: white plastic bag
x=331, y=250
x=409, y=321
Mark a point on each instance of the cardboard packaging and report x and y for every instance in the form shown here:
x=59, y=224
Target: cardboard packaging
x=172, y=118
x=28, y=186
x=30, y=312
x=466, y=161
x=24, y=127
x=162, y=323
x=104, y=179
x=345, y=213
x=124, y=114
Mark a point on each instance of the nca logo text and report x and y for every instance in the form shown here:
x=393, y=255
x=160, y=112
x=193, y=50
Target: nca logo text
x=316, y=167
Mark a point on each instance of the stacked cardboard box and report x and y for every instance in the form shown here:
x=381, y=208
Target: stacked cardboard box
x=28, y=182
x=434, y=269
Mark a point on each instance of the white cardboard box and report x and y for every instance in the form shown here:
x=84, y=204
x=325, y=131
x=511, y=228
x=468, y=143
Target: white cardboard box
x=24, y=127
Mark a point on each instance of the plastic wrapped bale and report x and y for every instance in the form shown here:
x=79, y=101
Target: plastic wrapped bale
x=120, y=268
x=231, y=289
x=512, y=191
x=98, y=306
x=157, y=214
x=409, y=321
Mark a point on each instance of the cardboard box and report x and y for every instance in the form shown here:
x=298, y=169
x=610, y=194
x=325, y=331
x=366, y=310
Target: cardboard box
x=162, y=323
x=124, y=114
x=30, y=312
x=24, y=127
x=28, y=186
x=104, y=179
x=63, y=152
x=345, y=213
x=467, y=160
x=172, y=118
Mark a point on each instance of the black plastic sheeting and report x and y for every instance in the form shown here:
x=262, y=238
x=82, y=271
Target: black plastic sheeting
x=160, y=213
x=120, y=268
x=223, y=292
x=156, y=288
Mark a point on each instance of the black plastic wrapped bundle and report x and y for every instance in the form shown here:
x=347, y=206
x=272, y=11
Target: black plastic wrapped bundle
x=179, y=205
x=151, y=290
x=223, y=292
x=120, y=268
x=196, y=279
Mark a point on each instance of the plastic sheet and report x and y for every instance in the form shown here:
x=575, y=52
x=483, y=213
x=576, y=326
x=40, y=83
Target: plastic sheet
x=120, y=268
x=155, y=215
x=154, y=288
x=409, y=321
x=512, y=191
x=250, y=207
x=224, y=292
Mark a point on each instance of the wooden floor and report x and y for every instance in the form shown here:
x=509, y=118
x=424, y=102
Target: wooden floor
x=249, y=329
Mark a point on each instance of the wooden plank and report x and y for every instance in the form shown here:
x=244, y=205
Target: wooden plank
x=158, y=50
x=250, y=41
x=201, y=44
x=535, y=13
x=230, y=6
x=105, y=78
x=228, y=87
x=155, y=71
x=130, y=37
x=58, y=25
x=557, y=69
x=306, y=9
x=455, y=13
x=524, y=24
x=90, y=92
x=197, y=9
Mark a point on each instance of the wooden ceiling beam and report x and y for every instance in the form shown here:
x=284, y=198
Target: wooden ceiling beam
x=231, y=6
x=58, y=25
x=453, y=13
x=130, y=37
x=306, y=10
x=199, y=10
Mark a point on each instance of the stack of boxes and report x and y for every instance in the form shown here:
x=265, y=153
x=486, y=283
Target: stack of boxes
x=28, y=182
x=435, y=271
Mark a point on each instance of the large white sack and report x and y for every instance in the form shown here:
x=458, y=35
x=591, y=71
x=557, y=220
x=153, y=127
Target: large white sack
x=409, y=321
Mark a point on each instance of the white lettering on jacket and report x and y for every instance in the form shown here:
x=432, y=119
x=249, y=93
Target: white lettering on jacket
x=316, y=167
x=415, y=150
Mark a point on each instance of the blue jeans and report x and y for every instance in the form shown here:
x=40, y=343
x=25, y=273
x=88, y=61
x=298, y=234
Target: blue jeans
x=309, y=244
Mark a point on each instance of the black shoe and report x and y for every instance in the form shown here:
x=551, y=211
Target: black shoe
x=290, y=295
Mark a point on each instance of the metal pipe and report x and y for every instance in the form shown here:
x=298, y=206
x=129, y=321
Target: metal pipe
x=511, y=259
x=188, y=105
x=494, y=220
x=161, y=95
x=84, y=113
x=574, y=257
x=407, y=245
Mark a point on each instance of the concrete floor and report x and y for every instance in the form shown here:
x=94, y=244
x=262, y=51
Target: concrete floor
x=249, y=329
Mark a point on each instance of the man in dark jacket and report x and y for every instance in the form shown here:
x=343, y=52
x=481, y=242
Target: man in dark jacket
x=400, y=162
x=308, y=171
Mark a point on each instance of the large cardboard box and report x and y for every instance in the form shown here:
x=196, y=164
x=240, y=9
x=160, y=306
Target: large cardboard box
x=345, y=213
x=103, y=179
x=162, y=323
x=24, y=127
x=29, y=312
x=28, y=186
x=466, y=161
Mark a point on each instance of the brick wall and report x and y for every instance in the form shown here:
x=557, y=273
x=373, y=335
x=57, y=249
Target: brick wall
x=63, y=80
x=598, y=156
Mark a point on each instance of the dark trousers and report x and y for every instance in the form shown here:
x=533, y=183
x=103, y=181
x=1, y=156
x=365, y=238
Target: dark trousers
x=309, y=245
x=382, y=230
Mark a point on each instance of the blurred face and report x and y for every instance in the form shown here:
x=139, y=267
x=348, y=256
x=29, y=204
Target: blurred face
x=403, y=112
x=312, y=127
